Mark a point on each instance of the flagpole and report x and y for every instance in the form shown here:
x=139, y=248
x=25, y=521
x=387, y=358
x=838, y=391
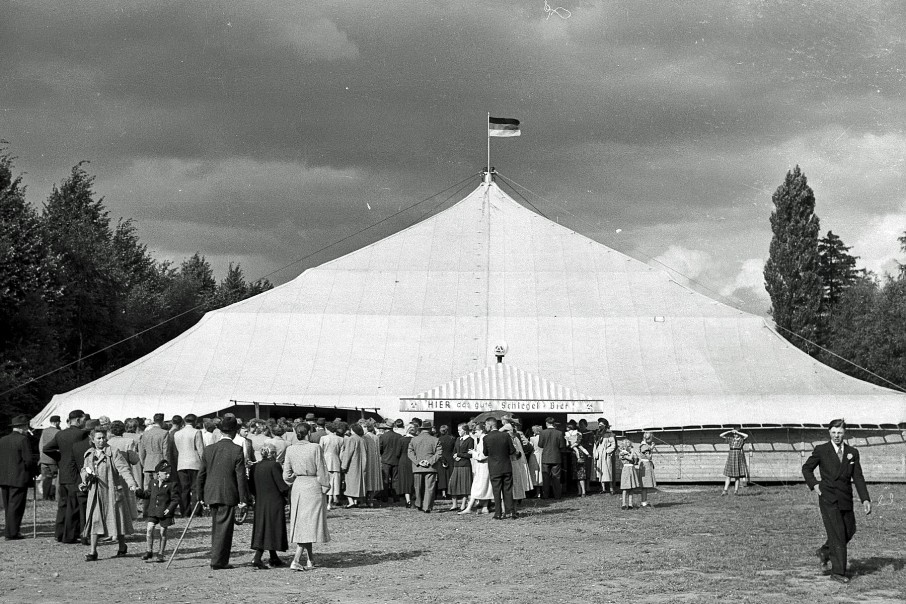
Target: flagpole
x=488, y=125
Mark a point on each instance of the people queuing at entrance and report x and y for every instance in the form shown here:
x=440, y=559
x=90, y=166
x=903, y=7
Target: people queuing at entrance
x=114, y=473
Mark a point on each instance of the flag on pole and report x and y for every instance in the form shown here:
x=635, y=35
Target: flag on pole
x=503, y=126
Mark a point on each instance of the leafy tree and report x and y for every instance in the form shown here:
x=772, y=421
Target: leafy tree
x=791, y=271
x=27, y=342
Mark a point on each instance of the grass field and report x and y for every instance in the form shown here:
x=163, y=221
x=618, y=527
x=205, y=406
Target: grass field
x=695, y=546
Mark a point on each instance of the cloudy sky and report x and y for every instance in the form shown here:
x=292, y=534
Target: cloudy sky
x=259, y=132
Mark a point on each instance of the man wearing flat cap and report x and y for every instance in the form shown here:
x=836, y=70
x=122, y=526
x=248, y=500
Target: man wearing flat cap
x=18, y=466
x=48, y=465
x=425, y=453
x=61, y=448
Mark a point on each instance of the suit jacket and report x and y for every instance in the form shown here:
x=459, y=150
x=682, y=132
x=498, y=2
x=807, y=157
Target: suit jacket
x=836, y=478
x=391, y=444
x=17, y=462
x=153, y=447
x=69, y=462
x=189, y=446
x=221, y=479
x=551, y=442
x=47, y=435
x=498, y=446
x=424, y=447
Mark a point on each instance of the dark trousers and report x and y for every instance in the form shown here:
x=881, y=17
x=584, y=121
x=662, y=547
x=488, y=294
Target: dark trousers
x=187, y=495
x=503, y=485
x=70, y=516
x=14, y=508
x=550, y=478
x=222, y=524
x=48, y=476
x=424, y=489
x=840, y=526
x=389, y=474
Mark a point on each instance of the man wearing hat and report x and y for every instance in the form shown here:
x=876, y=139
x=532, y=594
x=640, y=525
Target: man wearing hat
x=223, y=486
x=391, y=444
x=61, y=448
x=425, y=453
x=48, y=465
x=17, y=468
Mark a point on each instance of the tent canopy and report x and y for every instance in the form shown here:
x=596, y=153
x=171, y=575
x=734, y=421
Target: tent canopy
x=427, y=304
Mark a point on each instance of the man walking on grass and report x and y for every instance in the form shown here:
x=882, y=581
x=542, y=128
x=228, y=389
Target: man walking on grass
x=840, y=469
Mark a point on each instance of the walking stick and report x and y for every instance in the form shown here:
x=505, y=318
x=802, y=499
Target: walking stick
x=34, y=513
x=184, y=531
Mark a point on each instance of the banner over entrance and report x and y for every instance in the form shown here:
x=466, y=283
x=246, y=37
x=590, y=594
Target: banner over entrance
x=501, y=387
x=481, y=405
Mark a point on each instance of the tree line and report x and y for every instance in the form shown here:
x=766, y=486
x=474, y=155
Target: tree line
x=823, y=303
x=80, y=292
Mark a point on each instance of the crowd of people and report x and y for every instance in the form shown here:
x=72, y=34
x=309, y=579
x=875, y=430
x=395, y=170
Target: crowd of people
x=106, y=475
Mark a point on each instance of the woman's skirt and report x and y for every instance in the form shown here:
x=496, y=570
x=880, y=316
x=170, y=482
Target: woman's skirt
x=646, y=474
x=405, y=481
x=269, y=526
x=336, y=484
x=460, y=481
x=535, y=467
x=736, y=464
x=629, y=477
x=308, y=511
x=481, y=482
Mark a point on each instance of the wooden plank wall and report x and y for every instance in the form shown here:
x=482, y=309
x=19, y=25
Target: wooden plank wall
x=773, y=454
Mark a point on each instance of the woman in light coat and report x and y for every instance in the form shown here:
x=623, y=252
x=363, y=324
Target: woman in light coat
x=106, y=476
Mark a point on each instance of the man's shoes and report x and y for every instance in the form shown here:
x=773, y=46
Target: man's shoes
x=514, y=516
x=122, y=551
x=147, y=556
x=427, y=511
x=498, y=517
x=221, y=566
x=823, y=557
x=91, y=557
x=16, y=537
x=840, y=578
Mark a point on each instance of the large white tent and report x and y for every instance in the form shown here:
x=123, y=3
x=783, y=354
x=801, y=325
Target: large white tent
x=425, y=306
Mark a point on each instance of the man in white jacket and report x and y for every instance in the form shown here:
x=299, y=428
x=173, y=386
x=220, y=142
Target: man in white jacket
x=189, y=446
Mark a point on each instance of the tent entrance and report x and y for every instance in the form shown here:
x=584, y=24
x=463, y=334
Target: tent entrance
x=500, y=387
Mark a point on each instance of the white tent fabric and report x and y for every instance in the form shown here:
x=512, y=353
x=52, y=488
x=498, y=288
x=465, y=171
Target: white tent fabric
x=426, y=305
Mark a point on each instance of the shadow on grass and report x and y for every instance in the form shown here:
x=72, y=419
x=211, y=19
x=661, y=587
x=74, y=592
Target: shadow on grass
x=875, y=564
x=363, y=558
x=669, y=504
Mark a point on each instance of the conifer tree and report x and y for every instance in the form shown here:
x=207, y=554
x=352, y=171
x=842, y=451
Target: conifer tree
x=836, y=267
x=791, y=271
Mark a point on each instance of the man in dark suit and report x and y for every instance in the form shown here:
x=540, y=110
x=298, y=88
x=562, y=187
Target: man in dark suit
x=222, y=484
x=390, y=443
x=18, y=466
x=498, y=446
x=60, y=448
x=840, y=469
x=552, y=442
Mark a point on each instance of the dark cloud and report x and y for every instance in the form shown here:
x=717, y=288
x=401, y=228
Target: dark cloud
x=263, y=129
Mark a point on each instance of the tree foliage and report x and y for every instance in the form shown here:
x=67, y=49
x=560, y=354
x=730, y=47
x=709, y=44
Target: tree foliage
x=76, y=291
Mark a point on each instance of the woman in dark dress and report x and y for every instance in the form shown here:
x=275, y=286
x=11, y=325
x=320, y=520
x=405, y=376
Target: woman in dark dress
x=405, y=481
x=269, y=526
x=447, y=441
x=461, y=478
